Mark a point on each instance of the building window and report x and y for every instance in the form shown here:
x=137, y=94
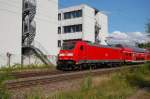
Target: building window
x=59, y=30
x=59, y=16
x=73, y=14
x=67, y=15
x=79, y=28
x=79, y=13
x=72, y=40
x=59, y=43
x=73, y=28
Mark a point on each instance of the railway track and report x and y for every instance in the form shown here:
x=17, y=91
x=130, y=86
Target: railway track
x=18, y=75
x=34, y=81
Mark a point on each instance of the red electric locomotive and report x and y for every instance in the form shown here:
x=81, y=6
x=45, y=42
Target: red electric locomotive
x=79, y=54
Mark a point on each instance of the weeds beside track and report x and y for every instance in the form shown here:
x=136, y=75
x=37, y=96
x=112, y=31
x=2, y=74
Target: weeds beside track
x=33, y=81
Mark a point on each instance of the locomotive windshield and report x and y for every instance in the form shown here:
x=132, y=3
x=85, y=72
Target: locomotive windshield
x=68, y=45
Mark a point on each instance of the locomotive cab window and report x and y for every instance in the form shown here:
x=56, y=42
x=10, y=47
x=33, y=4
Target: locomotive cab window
x=68, y=45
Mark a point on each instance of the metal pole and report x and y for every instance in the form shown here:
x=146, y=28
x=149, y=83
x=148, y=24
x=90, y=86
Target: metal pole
x=8, y=58
x=22, y=35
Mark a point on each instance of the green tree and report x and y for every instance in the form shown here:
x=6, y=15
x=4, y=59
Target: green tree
x=148, y=27
x=146, y=45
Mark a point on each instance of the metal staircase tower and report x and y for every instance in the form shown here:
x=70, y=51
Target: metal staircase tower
x=29, y=31
x=97, y=32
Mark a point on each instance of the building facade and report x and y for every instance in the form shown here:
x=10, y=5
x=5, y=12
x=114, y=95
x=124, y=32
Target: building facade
x=11, y=28
x=39, y=21
x=82, y=22
x=41, y=38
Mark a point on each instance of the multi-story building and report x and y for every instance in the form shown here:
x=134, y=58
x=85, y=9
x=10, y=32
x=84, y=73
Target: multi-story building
x=82, y=22
x=10, y=31
x=39, y=19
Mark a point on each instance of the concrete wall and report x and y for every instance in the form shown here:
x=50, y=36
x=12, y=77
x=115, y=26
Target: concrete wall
x=46, y=25
x=68, y=36
x=70, y=22
x=88, y=23
x=10, y=30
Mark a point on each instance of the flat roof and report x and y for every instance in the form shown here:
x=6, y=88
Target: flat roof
x=80, y=6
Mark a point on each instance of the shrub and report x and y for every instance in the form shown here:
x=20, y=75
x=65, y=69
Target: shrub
x=140, y=77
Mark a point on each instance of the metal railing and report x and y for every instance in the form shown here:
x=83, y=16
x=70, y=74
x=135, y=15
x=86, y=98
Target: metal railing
x=51, y=58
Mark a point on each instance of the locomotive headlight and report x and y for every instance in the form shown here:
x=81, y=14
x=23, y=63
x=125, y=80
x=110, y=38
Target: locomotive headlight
x=61, y=54
x=70, y=54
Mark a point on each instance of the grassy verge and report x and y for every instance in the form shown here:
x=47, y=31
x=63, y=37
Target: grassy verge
x=4, y=94
x=18, y=68
x=139, y=77
x=120, y=86
x=5, y=75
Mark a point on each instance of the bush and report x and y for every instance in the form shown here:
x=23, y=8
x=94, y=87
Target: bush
x=140, y=77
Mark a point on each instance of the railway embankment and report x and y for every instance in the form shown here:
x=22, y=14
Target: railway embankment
x=127, y=84
x=122, y=84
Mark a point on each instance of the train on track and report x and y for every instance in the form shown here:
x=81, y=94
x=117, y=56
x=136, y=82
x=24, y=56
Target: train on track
x=83, y=54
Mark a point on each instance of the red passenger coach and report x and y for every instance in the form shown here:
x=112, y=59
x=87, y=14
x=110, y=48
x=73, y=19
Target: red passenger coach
x=140, y=55
x=128, y=54
x=78, y=54
x=134, y=55
x=148, y=56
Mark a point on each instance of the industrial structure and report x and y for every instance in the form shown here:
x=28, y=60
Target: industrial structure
x=39, y=36
x=82, y=22
x=28, y=24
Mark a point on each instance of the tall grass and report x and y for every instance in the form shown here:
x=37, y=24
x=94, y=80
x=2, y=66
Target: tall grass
x=5, y=75
x=4, y=94
x=25, y=67
x=140, y=77
x=120, y=86
x=115, y=88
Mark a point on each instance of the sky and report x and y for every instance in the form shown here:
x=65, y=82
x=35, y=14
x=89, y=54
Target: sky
x=123, y=15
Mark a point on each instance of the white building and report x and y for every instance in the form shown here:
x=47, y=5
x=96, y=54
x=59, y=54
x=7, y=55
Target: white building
x=11, y=29
x=82, y=22
x=46, y=25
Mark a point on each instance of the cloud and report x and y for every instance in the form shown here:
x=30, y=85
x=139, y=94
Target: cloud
x=118, y=35
x=130, y=38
